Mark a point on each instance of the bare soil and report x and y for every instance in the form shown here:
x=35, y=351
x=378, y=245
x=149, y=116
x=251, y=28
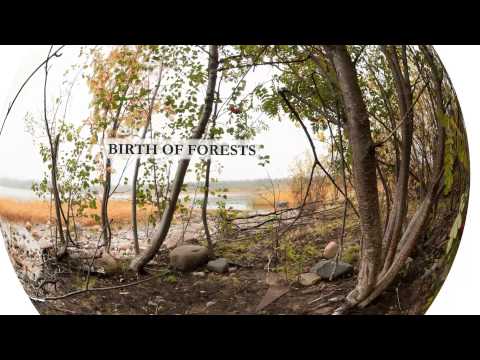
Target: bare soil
x=242, y=289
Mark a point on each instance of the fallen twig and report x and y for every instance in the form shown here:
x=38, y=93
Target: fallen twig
x=77, y=292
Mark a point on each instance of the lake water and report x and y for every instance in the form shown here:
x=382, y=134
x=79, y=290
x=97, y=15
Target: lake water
x=17, y=194
x=238, y=201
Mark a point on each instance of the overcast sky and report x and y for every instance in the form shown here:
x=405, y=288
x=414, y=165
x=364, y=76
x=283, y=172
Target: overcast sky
x=20, y=160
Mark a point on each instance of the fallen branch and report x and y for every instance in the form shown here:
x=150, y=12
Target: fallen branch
x=106, y=288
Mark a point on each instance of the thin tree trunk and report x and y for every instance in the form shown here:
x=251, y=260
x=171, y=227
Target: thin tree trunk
x=204, y=207
x=206, y=191
x=105, y=221
x=58, y=204
x=134, y=208
x=141, y=260
x=388, y=198
x=137, y=166
x=54, y=152
x=106, y=230
x=412, y=233
x=405, y=100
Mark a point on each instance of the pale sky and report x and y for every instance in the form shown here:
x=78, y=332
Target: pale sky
x=20, y=160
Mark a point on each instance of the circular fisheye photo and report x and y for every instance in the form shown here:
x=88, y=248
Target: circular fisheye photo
x=232, y=179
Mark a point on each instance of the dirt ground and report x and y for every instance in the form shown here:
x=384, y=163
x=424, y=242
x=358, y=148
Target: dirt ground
x=236, y=293
x=164, y=291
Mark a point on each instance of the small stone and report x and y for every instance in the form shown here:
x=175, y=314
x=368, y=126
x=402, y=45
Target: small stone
x=28, y=226
x=232, y=269
x=324, y=269
x=308, y=279
x=219, y=265
x=330, y=250
x=210, y=303
x=198, y=273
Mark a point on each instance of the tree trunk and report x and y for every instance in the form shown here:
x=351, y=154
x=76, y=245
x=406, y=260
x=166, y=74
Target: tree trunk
x=206, y=192
x=141, y=260
x=106, y=230
x=134, y=208
x=137, y=166
x=58, y=204
x=405, y=101
x=204, y=207
x=54, y=143
x=419, y=221
x=364, y=171
x=409, y=240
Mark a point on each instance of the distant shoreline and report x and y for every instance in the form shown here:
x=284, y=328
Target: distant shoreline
x=247, y=183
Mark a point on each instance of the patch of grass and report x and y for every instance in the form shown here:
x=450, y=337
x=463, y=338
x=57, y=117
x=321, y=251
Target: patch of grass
x=351, y=253
x=38, y=212
x=171, y=279
x=295, y=255
x=265, y=199
x=235, y=248
x=325, y=229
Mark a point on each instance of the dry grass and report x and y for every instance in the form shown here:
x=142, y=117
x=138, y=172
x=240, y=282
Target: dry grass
x=38, y=212
x=265, y=199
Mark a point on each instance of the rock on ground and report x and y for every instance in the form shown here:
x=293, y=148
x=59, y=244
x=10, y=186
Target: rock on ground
x=105, y=265
x=109, y=263
x=219, y=265
x=188, y=257
x=330, y=250
x=324, y=269
x=308, y=279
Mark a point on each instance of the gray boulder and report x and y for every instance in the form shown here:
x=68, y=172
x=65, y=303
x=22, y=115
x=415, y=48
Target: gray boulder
x=188, y=257
x=105, y=265
x=324, y=269
x=219, y=265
